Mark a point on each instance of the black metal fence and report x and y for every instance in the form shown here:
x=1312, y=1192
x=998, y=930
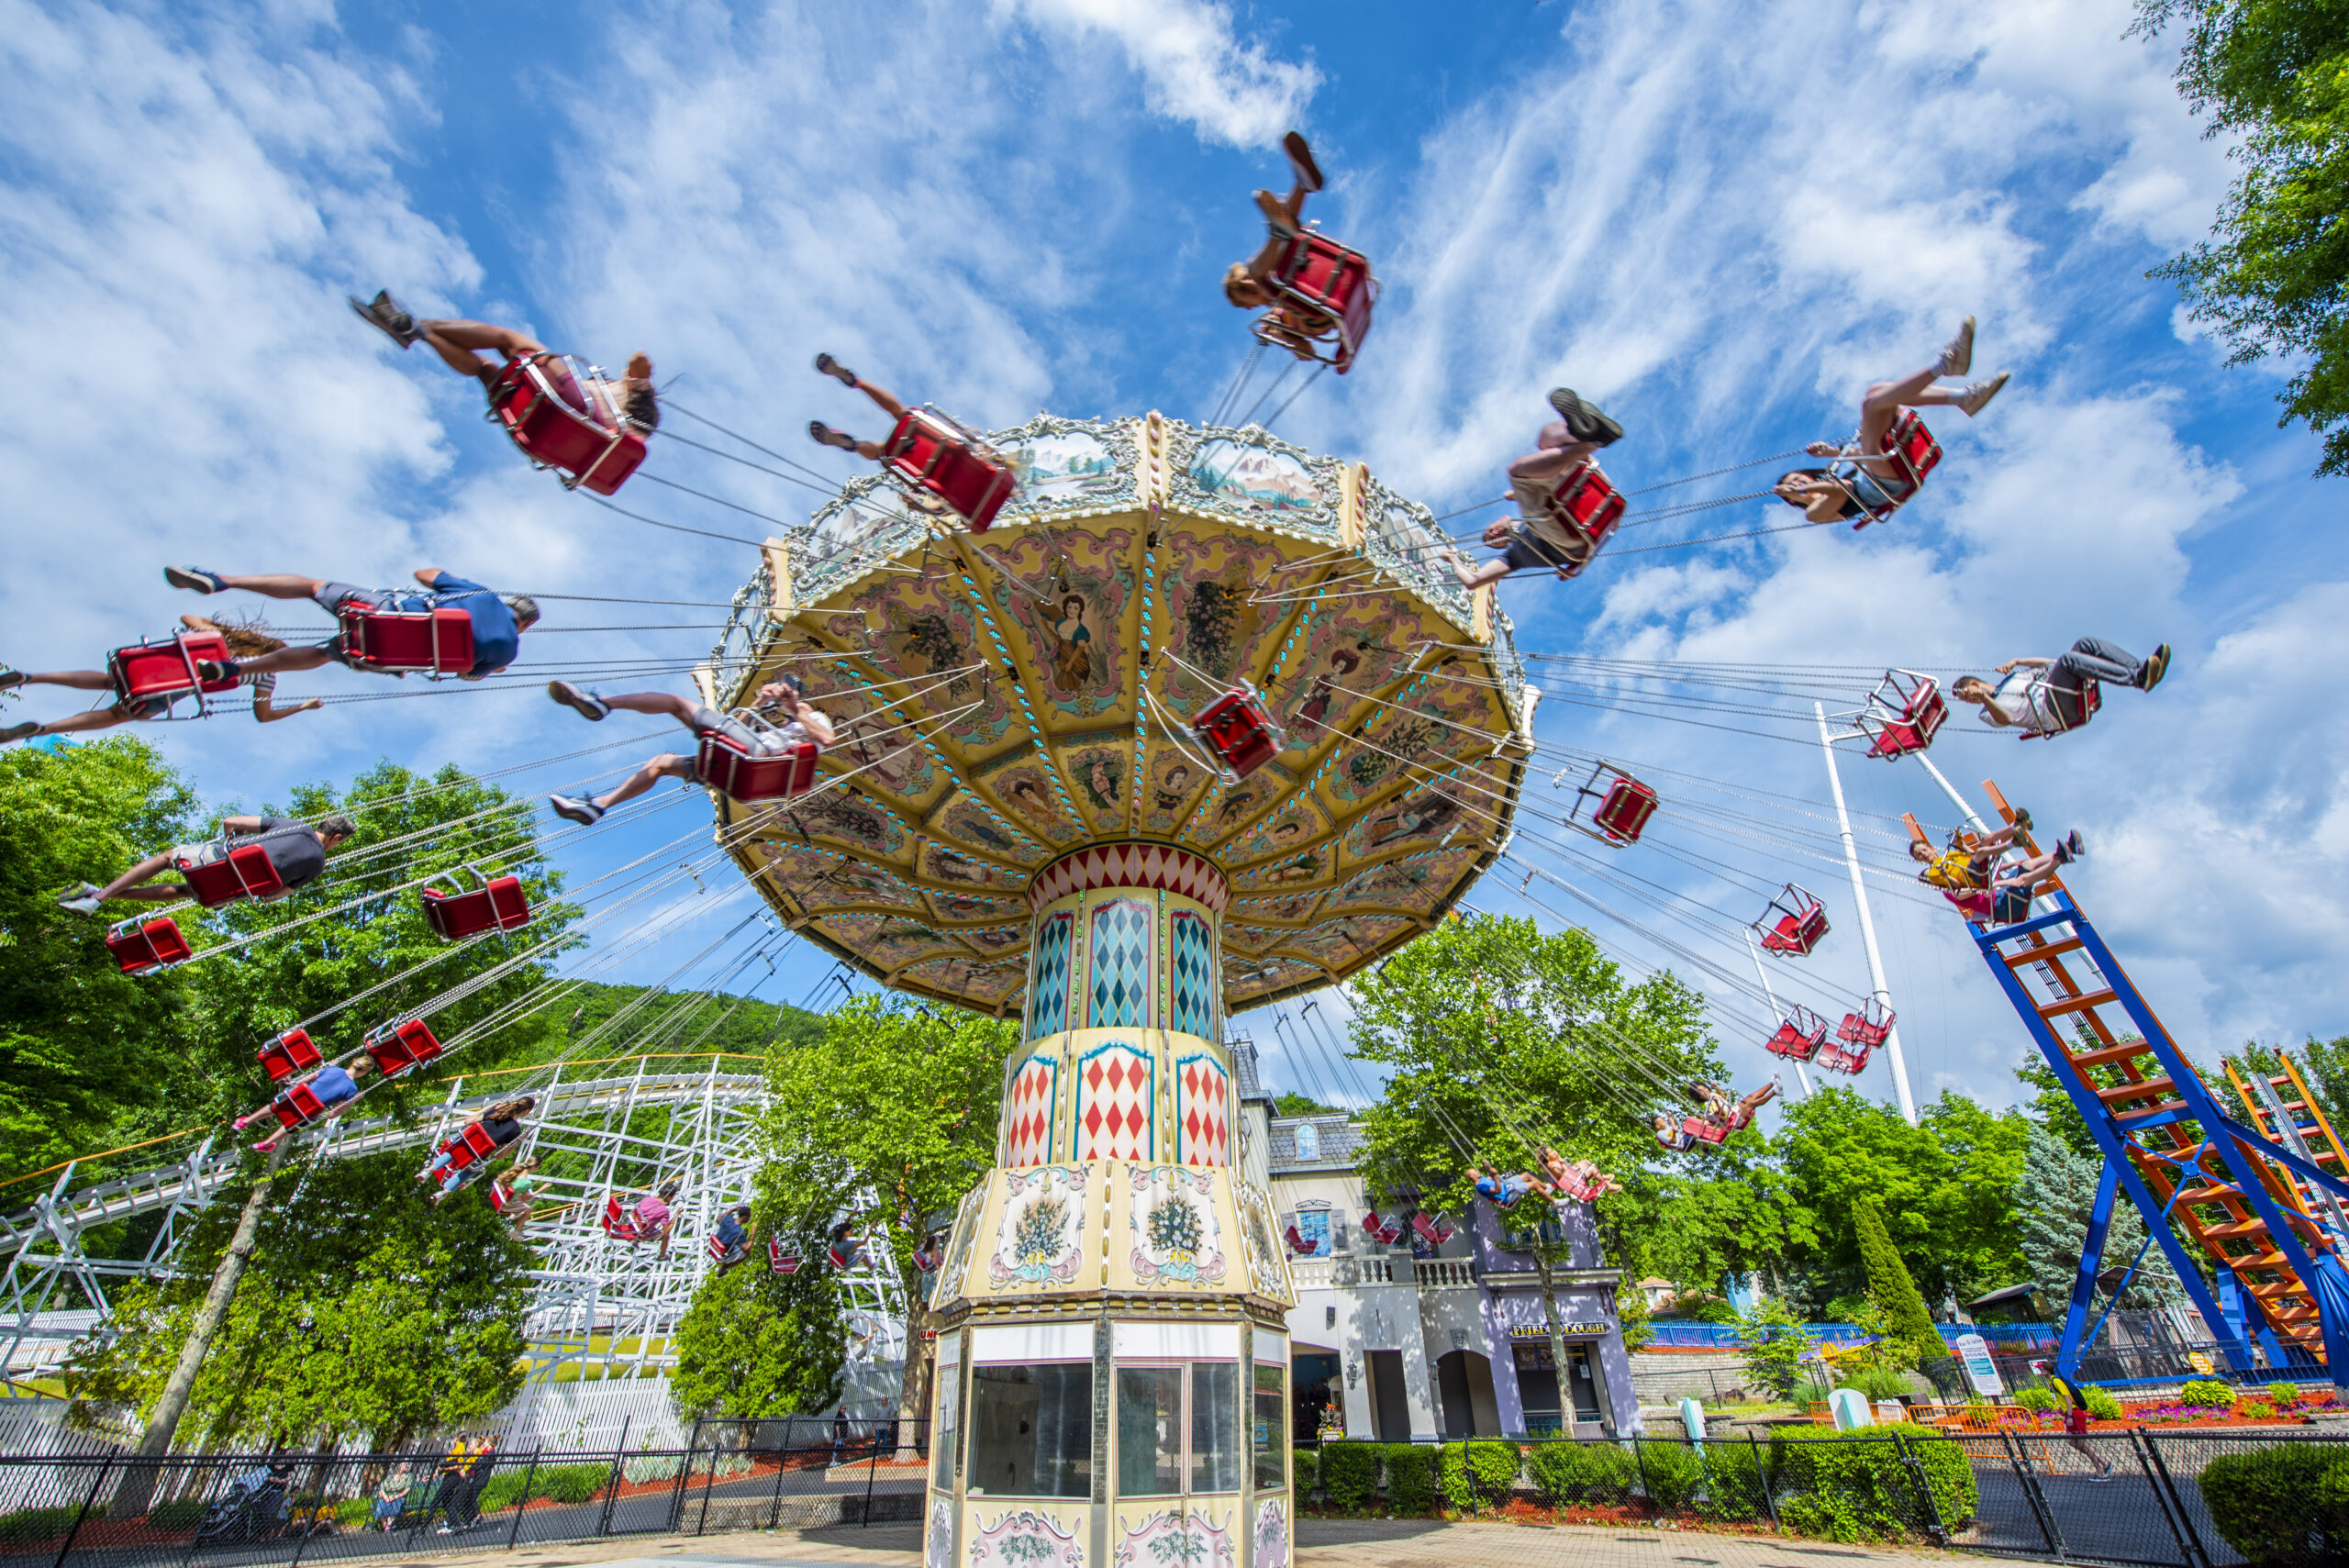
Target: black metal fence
x=115, y=1511
x=2134, y=1364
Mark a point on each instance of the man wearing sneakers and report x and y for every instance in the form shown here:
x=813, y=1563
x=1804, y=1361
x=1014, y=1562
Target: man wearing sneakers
x=785, y=695
x=1538, y=542
x=295, y=849
x=2076, y=1419
x=498, y=620
x=1249, y=284
x=1878, y=481
x=461, y=344
x=2043, y=697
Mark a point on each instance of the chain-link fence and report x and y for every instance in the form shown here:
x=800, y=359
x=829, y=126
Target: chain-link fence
x=115, y=1511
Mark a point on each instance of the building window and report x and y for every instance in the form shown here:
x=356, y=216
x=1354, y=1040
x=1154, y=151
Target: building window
x=1313, y=1229
x=1192, y=957
x=1120, y=965
x=1178, y=1428
x=1047, y=977
x=1308, y=1141
x=1268, y=1428
x=1032, y=1430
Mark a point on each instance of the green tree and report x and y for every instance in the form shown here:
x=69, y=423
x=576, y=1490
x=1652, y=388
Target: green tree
x=1774, y=1342
x=2276, y=278
x=1892, y=1290
x=1302, y=1105
x=2054, y=1198
x=366, y=1312
x=890, y=1118
x=2051, y=1108
x=755, y=1343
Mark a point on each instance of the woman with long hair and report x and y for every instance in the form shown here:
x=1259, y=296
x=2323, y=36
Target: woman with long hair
x=247, y=639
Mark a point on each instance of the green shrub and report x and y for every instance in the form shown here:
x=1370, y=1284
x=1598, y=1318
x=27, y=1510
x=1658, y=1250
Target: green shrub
x=1350, y=1474
x=1594, y=1473
x=2102, y=1405
x=179, y=1514
x=1670, y=1474
x=1808, y=1393
x=570, y=1482
x=1307, y=1469
x=29, y=1525
x=2208, y=1393
x=2036, y=1400
x=1733, y=1482
x=1411, y=1480
x=1878, y=1383
x=1858, y=1489
x=2286, y=1394
x=2285, y=1503
x=2255, y=1409
x=352, y=1513
x=1477, y=1474
x=1452, y=1479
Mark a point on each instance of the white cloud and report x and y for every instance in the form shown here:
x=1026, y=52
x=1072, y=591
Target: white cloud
x=1192, y=65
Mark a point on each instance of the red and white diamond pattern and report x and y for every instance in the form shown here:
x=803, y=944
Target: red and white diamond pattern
x=1027, y=1108
x=1202, y=1112
x=1114, y=1094
x=1133, y=865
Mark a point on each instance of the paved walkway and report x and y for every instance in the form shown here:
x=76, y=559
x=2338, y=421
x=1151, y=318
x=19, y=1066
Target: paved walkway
x=1321, y=1543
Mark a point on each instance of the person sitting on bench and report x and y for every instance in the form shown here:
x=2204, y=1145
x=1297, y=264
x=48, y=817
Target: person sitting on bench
x=498, y=620
x=1878, y=481
x=462, y=345
x=247, y=639
x=1537, y=540
x=295, y=849
x=785, y=695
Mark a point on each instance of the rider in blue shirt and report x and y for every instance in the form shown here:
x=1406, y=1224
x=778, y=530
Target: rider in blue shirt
x=499, y=620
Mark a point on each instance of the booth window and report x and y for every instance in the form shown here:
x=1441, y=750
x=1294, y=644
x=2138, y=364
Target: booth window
x=1269, y=1427
x=948, y=1442
x=1178, y=1428
x=1032, y=1430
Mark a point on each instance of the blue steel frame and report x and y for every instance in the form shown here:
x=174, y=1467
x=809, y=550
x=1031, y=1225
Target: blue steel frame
x=2239, y=1147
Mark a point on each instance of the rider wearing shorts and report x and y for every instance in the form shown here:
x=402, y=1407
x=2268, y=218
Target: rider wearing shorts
x=803, y=723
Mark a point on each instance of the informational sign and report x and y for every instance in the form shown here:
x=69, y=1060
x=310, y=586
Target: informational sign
x=1540, y=1331
x=2202, y=1363
x=1980, y=1370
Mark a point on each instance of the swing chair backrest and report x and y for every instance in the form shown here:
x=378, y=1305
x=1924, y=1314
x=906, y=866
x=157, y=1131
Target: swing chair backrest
x=245, y=871
x=1903, y=713
x=471, y=1144
x=1705, y=1130
x=564, y=416
x=1239, y=730
x=497, y=905
x=1911, y=447
x=2047, y=697
x=1799, y=1035
x=395, y=1048
x=145, y=946
x=736, y=771
x=296, y=1105
x=165, y=668
x=1587, y=505
x=935, y=455
x=616, y=1223
x=1867, y=1027
x=1315, y=276
x=1800, y=921
x=1622, y=813
x=291, y=1053
x=427, y=643
x=778, y=1259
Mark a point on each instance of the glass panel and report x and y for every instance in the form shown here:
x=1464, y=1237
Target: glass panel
x=1192, y=965
x=1047, y=985
x=1215, y=1427
x=1120, y=965
x=1308, y=1141
x=1268, y=1434
x=950, y=1399
x=1032, y=1430
x=1149, y=1430
x=1313, y=1229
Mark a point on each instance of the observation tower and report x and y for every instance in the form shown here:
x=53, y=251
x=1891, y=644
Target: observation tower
x=1019, y=819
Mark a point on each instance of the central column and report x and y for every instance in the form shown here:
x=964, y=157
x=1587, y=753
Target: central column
x=1113, y=1367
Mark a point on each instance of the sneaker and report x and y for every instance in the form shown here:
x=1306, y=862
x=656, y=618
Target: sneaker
x=1300, y=157
x=82, y=900
x=585, y=703
x=1957, y=355
x=824, y=435
x=586, y=813
x=2151, y=675
x=10, y=679
x=1584, y=421
x=2023, y=818
x=1980, y=393
x=208, y=670
x=1276, y=216
x=2075, y=844
x=266, y=1144
x=827, y=365
x=385, y=314
x=194, y=578
x=16, y=732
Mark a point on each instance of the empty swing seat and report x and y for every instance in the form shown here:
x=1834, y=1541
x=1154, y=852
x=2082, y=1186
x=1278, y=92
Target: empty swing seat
x=1799, y=1036
x=1318, y=277
x=1623, y=809
x=1867, y=1027
x=145, y=946
x=245, y=871
x=1903, y=713
x=564, y=416
x=403, y=642
x=738, y=772
x=296, y=1105
x=935, y=455
x=1239, y=730
x=497, y=905
x=165, y=669
x=289, y=1054
x=779, y=1260
x=398, y=1047
x=1800, y=922
x=1588, y=505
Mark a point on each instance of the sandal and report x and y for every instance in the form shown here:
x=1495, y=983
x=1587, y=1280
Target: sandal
x=824, y=435
x=827, y=365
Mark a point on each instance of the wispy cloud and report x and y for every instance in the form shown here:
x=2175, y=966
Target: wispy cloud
x=1194, y=65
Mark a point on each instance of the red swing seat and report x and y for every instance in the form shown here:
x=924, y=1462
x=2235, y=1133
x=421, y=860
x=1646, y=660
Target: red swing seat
x=1624, y=806
x=1316, y=278
x=146, y=945
x=1800, y=1036
x=778, y=1261
x=289, y=1054
x=1834, y=1058
x=164, y=669
x=472, y=1145
x=1866, y=1027
x=501, y=1198
x=1297, y=1246
x=1376, y=1227
x=616, y=1224
x=1588, y=505
x=734, y=771
x=401, y=642
x=398, y=1047
x=497, y=905
x=2052, y=698
x=1800, y=921
x=1433, y=1232
x=563, y=415
x=1914, y=453
x=1903, y=713
x=933, y=454
x=1704, y=1129
x=1239, y=730
x=245, y=871
x=296, y=1105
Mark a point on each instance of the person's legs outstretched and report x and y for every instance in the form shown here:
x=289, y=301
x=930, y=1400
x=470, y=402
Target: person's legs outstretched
x=1881, y=402
x=2093, y=656
x=131, y=884
x=457, y=341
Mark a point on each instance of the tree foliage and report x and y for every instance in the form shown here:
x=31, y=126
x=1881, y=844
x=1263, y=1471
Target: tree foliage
x=755, y=1343
x=1771, y=1337
x=2054, y=1200
x=2275, y=277
x=1891, y=1289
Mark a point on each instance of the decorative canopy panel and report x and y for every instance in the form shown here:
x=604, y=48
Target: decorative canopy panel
x=1006, y=700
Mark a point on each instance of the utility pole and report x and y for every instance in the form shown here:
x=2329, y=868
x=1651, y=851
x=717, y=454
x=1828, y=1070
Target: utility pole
x=1802, y=1075
x=1868, y=923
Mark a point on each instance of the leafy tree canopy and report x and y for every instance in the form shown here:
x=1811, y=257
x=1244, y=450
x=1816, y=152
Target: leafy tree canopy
x=755, y=1343
x=1302, y=1105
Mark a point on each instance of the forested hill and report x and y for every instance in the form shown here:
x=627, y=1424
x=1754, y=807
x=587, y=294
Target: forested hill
x=687, y=1023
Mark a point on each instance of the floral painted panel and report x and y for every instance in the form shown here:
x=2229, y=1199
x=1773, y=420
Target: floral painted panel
x=1175, y=1539
x=1025, y=1539
x=1272, y=1533
x=1040, y=1239
x=1415, y=882
x=1217, y=626
x=820, y=879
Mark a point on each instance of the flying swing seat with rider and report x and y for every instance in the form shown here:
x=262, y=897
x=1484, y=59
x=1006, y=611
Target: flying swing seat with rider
x=1588, y=505
x=1913, y=450
x=497, y=905
x=1902, y=714
x=1704, y=1129
x=398, y=1047
x=564, y=416
x=1326, y=293
x=1239, y=730
x=296, y=1105
x=770, y=769
x=1624, y=806
x=931, y=453
x=245, y=871
x=2059, y=704
x=143, y=946
x=617, y=1224
x=407, y=643
x=291, y=1053
x=472, y=1145
x=1799, y=1035
x=164, y=669
x=1794, y=922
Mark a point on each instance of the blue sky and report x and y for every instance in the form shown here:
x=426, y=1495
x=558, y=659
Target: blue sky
x=1718, y=219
